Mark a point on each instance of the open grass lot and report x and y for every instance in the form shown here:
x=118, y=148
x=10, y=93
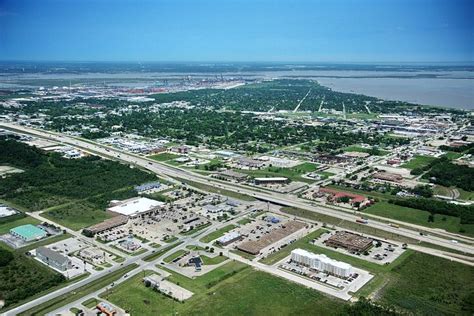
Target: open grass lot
x=414, y=216
x=244, y=221
x=359, y=149
x=158, y=253
x=418, y=162
x=196, y=229
x=214, y=260
x=232, y=289
x=77, y=215
x=428, y=285
x=164, y=157
x=212, y=189
x=294, y=173
x=218, y=233
x=466, y=195
x=174, y=255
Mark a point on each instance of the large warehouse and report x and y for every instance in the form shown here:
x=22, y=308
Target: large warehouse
x=28, y=232
x=321, y=263
x=134, y=207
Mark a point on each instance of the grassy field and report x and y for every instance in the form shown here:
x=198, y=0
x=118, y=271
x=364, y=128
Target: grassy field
x=466, y=195
x=418, y=161
x=364, y=150
x=414, y=216
x=244, y=221
x=171, y=240
x=174, y=255
x=218, y=233
x=77, y=215
x=300, y=243
x=345, y=224
x=160, y=252
x=196, y=229
x=294, y=173
x=215, y=260
x=164, y=156
x=232, y=289
x=212, y=189
x=428, y=285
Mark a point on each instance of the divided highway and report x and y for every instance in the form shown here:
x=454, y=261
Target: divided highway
x=273, y=197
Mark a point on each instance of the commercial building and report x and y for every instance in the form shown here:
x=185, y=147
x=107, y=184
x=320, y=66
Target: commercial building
x=6, y=211
x=134, y=207
x=349, y=241
x=255, y=246
x=273, y=180
x=321, y=262
x=336, y=195
x=387, y=176
x=148, y=186
x=229, y=238
x=94, y=255
x=28, y=232
x=231, y=175
x=53, y=258
x=106, y=225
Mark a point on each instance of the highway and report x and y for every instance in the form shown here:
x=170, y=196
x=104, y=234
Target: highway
x=170, y=172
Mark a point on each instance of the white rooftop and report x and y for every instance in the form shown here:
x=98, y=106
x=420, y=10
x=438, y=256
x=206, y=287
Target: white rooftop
x=322, y=258
x=135, y=206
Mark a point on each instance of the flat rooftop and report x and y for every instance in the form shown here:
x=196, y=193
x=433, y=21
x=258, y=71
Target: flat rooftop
x=29, y=231
x=135, y=206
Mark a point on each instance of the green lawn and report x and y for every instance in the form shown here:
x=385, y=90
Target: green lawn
x=466, y=195
x=414, y=216
x=171, y=239
x=244, y=221
x=91, y=303
x=232, y=289
x=164, y=156
x=218, y=233
x=364, y=150
x=174, y=255
x=196, y=229
x=294, y=173
x=215, y=260
x=212, y=189
x=77, y=215
x=418, y=161
x=160, y=252
x=428, y=285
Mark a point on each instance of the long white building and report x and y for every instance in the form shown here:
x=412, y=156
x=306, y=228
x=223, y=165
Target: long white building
x=321, y=262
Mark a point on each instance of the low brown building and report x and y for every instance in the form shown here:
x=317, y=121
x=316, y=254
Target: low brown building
x=255, y=246
x=349, y=241
x=106, y=225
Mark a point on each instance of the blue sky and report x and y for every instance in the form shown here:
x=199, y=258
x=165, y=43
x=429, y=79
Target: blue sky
x=237, y=30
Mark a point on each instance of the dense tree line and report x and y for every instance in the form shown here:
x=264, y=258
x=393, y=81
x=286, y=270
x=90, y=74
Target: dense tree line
x=52, y=180
x=22, y=277
x=445, y=173
x=468, y=149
